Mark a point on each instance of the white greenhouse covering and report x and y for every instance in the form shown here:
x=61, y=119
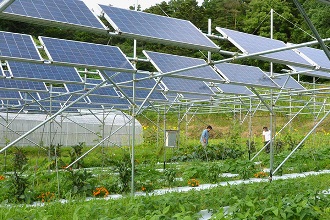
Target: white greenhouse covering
x=70, y=129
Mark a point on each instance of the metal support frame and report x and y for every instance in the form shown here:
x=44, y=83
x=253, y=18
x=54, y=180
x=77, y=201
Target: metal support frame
x=288, y=123
x=302, y=141
x=51, y=118
x=98, y=144
x=5, y=4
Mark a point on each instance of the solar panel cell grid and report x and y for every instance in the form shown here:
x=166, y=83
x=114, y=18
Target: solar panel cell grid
x=88, y=54
x=141, y=24
x=18, y=46
x=43, y=71
x=22, y=85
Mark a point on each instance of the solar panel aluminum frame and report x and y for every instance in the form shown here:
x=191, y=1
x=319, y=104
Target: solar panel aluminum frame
x=53, y=23
x=84, y=65
x=263, y=57
x=161, y=40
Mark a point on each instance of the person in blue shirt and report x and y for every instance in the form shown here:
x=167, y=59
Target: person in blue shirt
x=205, y=136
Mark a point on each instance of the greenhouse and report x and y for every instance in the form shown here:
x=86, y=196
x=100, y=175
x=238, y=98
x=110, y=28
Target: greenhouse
x=98, y=108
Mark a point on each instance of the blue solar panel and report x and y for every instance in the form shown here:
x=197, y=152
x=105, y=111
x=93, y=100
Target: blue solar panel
x=317, y=56
x=18, y=46
x=108, y=101
x=4, y=94
x=142, y=94
x=234, y=89
x=287, y=82
x=43, y=72
x=67, y=12
x=167, y=63
x=151, y=27
x=245, y=75
x=315, y=73
x=22, y=85
x=186, y=86
x=249, y=43
x=125, y=79
x=103, y=91
x=86, y=54
x=196, y=97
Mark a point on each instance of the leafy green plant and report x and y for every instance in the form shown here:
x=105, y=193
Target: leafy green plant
x=80, y=182
x=213, y=172
x=124, y=169
x=75, y=153
x=170, y=174
x=18, y=181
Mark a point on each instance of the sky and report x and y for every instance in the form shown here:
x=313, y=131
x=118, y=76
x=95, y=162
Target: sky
x=124, y=3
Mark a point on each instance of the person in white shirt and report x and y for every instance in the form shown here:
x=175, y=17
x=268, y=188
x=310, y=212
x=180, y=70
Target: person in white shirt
x=266, y=138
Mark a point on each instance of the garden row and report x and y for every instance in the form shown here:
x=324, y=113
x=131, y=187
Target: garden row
x=301, y=198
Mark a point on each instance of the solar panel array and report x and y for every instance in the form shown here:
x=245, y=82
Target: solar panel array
x=168, y=63
x=245, y=75
x=70, y=12
x=18, y=46
x=86, y=54
x=44, y=72
x=151, y=27
x=249, y=44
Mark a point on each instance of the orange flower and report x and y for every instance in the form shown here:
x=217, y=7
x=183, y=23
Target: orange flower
x=2, y=178
x=193, y=182
x=100, y=191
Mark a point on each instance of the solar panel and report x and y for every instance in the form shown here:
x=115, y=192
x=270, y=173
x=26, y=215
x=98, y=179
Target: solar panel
x=66, y=12
x=142, y=94
x=234, y=89
x=186, y=85
x=316, y=55
x=91, y=83
x=18, y=46
x=287, y=82
x=125, y=79
x=245, y=75
x=196, y=97
x=160, y=29
x=108, y=101
x=86, y=54
x=168, y=63
x=249, y=43
x=4, y=94
x=307, y=72
x=44, y=72
x=22, y=85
